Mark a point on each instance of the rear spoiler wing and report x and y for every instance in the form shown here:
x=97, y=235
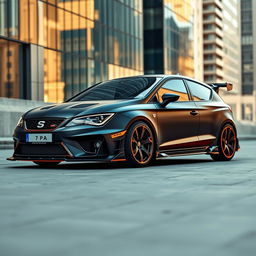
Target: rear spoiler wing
x=217, y=86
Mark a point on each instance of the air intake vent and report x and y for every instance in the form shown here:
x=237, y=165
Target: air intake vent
x=82, y=105
x=41, y=150
x=47, y=107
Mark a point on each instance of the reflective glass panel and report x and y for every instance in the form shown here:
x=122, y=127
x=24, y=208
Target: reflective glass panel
x=52, y=27
x=3, y=18
x=66, y=35
x=124, y=88
x=33, y=21
x=51, y=76
x=4, y=70
x=24, y=13
x=10, y=69
x=199, y=92
x=173, y=87
x=42, y=23
x=13, y=18
x=60, y=29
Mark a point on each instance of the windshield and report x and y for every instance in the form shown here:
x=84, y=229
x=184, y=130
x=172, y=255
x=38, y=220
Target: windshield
x=117, y=89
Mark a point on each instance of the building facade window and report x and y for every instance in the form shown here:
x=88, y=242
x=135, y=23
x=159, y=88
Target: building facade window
x=247, y=112
x=247, y=89
x=73, y=43
x=199, y=92
x=247, y=47
x=168, y=37
x=11, y=69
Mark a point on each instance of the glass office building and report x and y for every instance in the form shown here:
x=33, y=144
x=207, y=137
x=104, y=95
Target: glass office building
x=248, y=49
x=247, y=46
x=50, y=50
x=168, y=37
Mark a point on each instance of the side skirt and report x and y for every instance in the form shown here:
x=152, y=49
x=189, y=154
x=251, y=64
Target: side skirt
x=184, y=152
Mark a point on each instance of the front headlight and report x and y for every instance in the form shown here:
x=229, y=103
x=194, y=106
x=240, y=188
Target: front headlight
x=20, y=122
x=98, y=119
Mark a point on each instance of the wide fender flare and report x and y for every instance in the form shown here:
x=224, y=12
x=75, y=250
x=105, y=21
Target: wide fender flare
x=228, y=121
x=149, y=118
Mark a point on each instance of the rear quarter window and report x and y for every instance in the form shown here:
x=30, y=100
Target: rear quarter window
x=198, y=91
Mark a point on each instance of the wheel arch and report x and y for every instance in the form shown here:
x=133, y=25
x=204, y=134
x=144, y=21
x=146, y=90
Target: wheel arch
x=149, y=123
x=221, y=126
x=230, y=122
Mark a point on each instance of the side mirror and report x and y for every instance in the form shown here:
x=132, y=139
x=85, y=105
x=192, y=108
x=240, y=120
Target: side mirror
x=168, y=97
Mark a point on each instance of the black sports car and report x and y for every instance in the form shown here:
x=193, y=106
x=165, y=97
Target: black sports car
x=134, y=119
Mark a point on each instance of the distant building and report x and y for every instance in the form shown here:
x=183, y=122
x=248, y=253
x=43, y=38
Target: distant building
x=169, y=37
x=50, y=50
x=221, y=46
x=213, y=40
x=198, y=40
x=248, y=34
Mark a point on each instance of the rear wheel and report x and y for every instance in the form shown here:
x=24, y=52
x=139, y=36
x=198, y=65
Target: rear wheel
x=46, y=164
x=140, y=144
x=227, y=144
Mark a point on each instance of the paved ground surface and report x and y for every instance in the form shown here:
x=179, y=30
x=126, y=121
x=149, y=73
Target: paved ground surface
x=179, y=206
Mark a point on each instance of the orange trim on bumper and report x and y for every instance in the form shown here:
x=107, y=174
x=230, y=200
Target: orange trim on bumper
x=118, y=134
x=118, y=160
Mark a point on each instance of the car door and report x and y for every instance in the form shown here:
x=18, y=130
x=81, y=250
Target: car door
x=201, y=96
x=178, y=122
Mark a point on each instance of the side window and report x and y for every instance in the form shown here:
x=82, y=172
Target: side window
x=175, y=86
x=198, y=91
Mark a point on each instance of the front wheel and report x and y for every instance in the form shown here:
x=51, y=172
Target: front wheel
x=47, y=164
x=140, y=144
x=227, y=144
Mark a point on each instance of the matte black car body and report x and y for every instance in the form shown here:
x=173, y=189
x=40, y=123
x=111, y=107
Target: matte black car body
x=180, y=128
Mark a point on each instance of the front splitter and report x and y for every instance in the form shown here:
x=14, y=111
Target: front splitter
x=82, y=160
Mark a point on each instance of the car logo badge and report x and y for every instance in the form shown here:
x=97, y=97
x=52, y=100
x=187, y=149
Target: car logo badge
x=40, y=124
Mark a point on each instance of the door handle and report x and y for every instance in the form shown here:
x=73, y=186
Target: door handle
x=194, y=113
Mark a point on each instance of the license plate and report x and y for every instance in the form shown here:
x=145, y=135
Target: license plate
x=39, y=137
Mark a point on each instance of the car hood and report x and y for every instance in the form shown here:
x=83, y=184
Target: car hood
x=78, y=108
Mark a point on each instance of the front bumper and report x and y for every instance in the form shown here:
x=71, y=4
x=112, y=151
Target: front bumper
x=71, y=144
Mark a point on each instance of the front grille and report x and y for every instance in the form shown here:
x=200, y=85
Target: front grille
x=43, y=124
x=41, y=150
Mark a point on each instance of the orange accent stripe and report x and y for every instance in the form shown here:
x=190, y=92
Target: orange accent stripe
x=118, y=160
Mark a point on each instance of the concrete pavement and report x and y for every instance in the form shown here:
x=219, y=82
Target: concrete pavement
x=179, y=206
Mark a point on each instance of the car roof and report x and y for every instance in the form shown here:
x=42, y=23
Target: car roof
x=163, y=76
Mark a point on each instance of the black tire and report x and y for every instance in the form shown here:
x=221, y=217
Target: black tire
x=47, y=164
x=227, y=144
x=140, y=149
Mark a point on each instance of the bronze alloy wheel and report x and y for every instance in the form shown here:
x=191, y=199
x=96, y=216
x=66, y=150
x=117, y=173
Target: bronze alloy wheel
x=140, y=148
x=227, y=144
x=228, y=141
